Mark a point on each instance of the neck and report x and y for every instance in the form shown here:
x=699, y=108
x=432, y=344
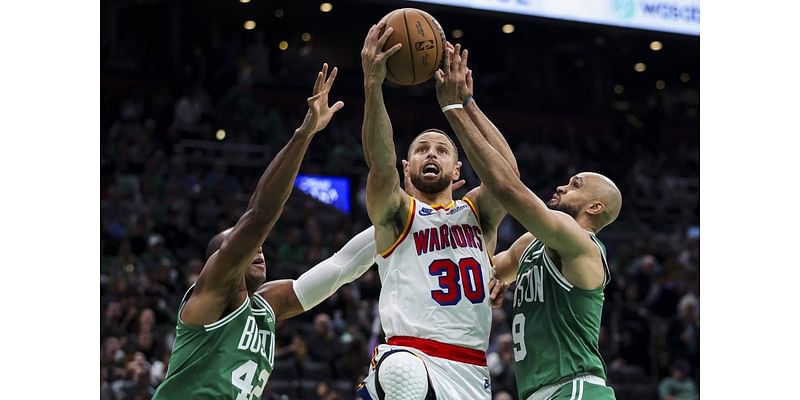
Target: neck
x=444, y=197
x=586, y=223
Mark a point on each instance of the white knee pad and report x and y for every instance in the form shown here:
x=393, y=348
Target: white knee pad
x=403, y=376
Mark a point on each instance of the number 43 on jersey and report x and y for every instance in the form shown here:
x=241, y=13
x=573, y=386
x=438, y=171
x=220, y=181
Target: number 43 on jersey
x=242, y=378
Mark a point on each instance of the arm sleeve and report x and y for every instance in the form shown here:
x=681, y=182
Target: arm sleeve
x=345, y=266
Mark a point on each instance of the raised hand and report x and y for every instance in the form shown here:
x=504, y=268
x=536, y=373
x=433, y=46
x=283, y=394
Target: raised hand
x=319, y=113
x=466, y=90
x=451, y=79
x=373, y=58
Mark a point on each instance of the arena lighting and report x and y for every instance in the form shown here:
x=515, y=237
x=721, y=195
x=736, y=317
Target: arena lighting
x=305, y=36
x=221, y=134
x=279, y=13
x=618, y=89
x=457, y=33
x=640, y=67
x=508, y=28
x=677, y=16
x=250, y=25
x=283, y=45
x=685, y=77
x=660, y=84
x=656, y=45
x=326, y=7
x=244, y=1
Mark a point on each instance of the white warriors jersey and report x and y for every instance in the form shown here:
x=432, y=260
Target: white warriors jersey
x=435, y=277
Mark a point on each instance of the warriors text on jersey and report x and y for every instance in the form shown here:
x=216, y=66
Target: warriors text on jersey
x=556, y=326
x=435, y=277
x=228, y=359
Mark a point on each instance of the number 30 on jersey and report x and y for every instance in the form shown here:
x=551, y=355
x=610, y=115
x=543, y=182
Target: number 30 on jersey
x=451, y=275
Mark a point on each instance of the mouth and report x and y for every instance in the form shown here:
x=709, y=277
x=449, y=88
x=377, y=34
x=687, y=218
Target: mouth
x=430, y=170
x=554, y=199
x=259, y=263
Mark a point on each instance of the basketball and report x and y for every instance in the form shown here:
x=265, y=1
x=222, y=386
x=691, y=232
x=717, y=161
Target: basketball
x=422, y=39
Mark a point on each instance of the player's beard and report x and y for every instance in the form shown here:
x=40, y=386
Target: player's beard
x=567, y=208
x=436, y=186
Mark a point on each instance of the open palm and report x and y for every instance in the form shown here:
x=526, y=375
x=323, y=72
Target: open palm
x=319, y=113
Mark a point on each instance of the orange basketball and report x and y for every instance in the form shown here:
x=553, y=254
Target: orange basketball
x=422, y=39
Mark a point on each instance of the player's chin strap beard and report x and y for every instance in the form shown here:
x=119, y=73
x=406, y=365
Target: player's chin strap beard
x=431, y=188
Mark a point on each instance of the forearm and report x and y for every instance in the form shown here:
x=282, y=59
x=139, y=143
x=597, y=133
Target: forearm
x=488, y=163
x=383, y=182
x=347, y=265
x=376, y=132
x=275, y=185
x=498, y=176
x=491, y=133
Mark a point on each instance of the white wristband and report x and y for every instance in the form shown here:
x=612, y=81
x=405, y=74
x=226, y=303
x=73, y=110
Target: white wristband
x=452, y=106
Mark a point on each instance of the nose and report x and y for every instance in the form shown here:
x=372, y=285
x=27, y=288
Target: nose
x=561, y=189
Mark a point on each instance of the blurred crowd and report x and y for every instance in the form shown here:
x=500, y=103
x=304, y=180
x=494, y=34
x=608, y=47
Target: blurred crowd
x=171, y=179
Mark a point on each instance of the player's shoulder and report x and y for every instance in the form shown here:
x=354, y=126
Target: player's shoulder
x=525, y=241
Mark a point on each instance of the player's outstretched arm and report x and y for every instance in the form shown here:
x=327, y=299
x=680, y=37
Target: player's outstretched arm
x=385, y=200
x=224, y=270
x=491, y=210
x=556, y=229
x=487, y=128
x=289, y=297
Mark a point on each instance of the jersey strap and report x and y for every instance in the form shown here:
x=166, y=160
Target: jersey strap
x=409, y=220
x=441, y=350
x=596, y=241
x=473, y=208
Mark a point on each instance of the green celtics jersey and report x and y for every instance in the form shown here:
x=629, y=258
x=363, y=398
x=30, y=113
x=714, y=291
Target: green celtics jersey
x=228, y=359
x=556, y=326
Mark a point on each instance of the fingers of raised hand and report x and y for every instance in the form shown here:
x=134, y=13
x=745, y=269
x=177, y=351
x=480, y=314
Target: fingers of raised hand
x=455, y=63
x=337, y=106
x=393, y=50
x=382, y=40
x=439, y=76
x=446, y=62
x=318, y=82
x=331, y=78
x=311, y=100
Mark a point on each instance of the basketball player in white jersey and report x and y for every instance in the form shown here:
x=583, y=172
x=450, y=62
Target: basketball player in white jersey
x=433, y=255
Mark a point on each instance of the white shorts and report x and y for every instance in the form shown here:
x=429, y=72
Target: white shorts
x=451, y=380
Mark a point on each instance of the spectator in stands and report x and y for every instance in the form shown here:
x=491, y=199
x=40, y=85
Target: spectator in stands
x=501, y=364
x=683, y=335
x=678, y=386
x=323, y=345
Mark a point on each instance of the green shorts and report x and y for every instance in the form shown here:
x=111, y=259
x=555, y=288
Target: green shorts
x=580, y=390
x=585, y=387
